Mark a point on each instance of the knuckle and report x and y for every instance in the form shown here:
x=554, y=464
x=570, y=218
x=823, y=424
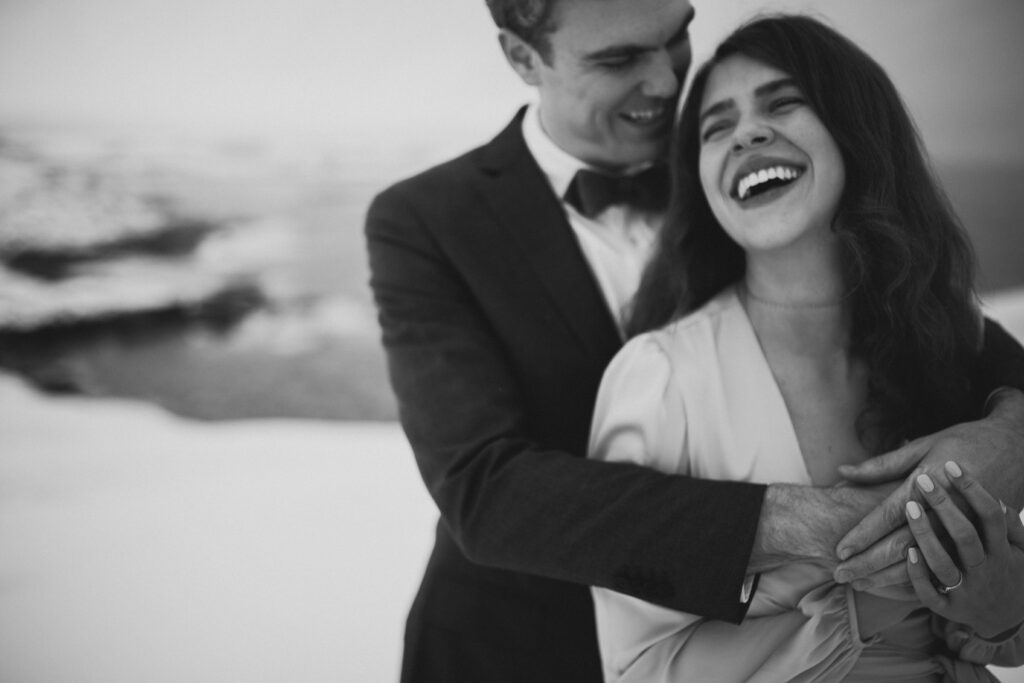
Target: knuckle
x=864, y=567
x=900, y=542
x=967, y=483
x=977, y=565
x=922, y=529
x=963, y=536
x=991, y=515
x=893, y=515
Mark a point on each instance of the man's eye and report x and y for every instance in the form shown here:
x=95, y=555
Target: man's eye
x=618, y=63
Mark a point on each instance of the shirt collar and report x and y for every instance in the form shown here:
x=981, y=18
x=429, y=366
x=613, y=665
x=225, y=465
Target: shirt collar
x=558, y=165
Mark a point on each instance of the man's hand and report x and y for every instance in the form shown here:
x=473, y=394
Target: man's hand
x=803, y=523
x=992, y=448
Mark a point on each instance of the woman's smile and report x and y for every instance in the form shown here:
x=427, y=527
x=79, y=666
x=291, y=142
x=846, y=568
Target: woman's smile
x=772, y=173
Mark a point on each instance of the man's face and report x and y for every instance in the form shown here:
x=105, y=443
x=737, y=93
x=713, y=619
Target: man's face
x=609, y=94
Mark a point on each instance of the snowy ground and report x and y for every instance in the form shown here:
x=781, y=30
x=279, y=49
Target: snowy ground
x=140, y=547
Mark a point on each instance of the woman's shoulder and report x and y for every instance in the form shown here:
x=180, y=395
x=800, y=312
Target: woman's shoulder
x=686, y=342
x=700, y=325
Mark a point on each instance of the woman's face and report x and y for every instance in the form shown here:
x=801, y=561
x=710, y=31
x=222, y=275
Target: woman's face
x=771, y=171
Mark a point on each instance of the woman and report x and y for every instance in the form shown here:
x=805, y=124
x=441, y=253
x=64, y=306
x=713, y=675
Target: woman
x=811, y=296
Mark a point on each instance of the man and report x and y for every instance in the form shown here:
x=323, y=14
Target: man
x=502, y=282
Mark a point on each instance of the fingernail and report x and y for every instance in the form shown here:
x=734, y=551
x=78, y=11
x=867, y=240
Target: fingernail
x=960, y=637
x=925, y=482
x=843, y=577
x=954, y=470
x=912, y=554
x=844, y=553
x=1003, y=506
x=914, y=510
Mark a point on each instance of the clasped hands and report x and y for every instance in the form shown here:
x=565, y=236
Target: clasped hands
x=943, y=536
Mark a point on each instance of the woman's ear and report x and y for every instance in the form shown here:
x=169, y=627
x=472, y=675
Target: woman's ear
x=521, y=56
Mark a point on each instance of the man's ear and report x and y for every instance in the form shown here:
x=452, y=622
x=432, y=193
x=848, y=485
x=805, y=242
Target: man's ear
x=521, y=56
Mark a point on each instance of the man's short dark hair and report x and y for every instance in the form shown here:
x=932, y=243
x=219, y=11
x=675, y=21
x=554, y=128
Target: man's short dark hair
x=531, y=20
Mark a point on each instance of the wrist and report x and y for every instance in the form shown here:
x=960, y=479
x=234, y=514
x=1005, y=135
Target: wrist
x=999, y=637
x=802, y=524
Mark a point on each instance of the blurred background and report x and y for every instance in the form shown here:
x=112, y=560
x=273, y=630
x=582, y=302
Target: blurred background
x=182, y=189
x=182, y=185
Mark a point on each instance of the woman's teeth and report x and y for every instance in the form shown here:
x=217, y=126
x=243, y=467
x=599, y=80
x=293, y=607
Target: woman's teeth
x=754, y=179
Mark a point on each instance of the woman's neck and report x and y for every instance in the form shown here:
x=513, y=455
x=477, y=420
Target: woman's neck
x=802, y=309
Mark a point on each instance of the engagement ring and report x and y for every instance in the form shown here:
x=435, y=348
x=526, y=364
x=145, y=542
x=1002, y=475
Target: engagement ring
x=959, y=582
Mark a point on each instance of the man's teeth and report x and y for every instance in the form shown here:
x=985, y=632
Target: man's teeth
x=748, y=182
x=644, y=115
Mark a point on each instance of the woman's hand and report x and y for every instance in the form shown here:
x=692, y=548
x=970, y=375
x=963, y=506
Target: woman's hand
x=982, y=584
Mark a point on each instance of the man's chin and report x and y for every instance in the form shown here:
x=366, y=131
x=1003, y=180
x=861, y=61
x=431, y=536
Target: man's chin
x=628, y=154
x=643, y=154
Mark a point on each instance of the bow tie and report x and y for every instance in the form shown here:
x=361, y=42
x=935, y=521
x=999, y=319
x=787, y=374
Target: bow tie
x=592, y=192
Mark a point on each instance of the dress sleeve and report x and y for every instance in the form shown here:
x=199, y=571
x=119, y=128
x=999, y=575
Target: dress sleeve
x=1007, y=652
x=638, y=417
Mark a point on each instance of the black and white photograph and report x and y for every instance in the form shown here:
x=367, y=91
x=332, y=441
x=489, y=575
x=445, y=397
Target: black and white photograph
x=553, y=341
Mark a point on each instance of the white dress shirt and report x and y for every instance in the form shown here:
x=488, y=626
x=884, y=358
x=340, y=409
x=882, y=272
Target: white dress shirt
x=617, y=242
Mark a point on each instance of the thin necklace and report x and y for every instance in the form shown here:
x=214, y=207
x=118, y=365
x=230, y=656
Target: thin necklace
x=832, y=303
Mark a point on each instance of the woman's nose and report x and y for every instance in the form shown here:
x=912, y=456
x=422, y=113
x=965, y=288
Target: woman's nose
x=752, y=134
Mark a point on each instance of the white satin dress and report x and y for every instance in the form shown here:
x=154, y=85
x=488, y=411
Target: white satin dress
x=698, y=398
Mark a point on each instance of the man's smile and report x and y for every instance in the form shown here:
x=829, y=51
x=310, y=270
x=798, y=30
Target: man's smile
x=653, y=114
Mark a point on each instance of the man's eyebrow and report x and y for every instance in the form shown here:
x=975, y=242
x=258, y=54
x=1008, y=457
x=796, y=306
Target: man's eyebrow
x=626, y=49
x=684, y=28
x=763, y=90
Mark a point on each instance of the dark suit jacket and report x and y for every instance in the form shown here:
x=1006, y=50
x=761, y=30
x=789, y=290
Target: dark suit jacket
x=497, y=336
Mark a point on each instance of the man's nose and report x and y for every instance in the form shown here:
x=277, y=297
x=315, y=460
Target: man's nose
x=661, y=80
x=751, y=134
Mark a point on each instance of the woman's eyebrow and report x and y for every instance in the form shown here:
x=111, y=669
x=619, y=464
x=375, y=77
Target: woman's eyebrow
x=719, y=107
x=772, y=87
x=761, y=91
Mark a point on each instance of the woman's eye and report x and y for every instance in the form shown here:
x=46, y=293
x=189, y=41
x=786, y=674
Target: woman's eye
x=784, y=104
x=714, y=130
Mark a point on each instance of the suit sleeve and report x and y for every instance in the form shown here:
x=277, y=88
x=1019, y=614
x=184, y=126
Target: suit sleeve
x=640, y=419
x=1002, y=360
x=517, y=504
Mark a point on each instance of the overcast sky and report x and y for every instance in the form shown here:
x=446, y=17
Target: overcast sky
x=430, y=70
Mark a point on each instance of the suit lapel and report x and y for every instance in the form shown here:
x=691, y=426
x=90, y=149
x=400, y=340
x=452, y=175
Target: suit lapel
x=524, y=205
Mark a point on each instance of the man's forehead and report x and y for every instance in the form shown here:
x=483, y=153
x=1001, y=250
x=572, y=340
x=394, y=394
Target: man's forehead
x=586, y=26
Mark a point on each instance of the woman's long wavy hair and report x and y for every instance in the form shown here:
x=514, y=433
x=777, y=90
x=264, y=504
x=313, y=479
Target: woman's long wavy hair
x=908, y=264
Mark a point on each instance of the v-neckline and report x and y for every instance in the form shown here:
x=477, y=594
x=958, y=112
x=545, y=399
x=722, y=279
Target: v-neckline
x=777, y=404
